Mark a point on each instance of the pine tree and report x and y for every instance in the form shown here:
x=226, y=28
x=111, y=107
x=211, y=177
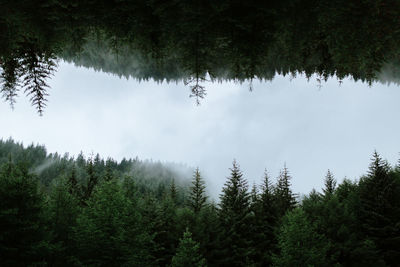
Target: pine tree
x=254, y=194
x=92, y=180
x=109, y=175
x=197, y=198
x=285, y=199
x=73, y=183
x=330, y=184
x=234, y=216
x=188, y=253
x=266, y=221
x=380, y=209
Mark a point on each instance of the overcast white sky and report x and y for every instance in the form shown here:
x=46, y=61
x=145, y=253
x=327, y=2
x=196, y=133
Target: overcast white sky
x=310, y=129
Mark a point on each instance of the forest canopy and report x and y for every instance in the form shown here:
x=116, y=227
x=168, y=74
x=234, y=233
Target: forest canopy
x=193, y=41
x=64, y=211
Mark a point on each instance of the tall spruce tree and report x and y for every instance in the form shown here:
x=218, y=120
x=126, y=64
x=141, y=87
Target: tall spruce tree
x=380, y=209
x=91, y=181
x=254, y=195
x=330, y=184
x=73, y=188
x=234, y=217
x=197, y=198
x=266, y=221
x=284, y=198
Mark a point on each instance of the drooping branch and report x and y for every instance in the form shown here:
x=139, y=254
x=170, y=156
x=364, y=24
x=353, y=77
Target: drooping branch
x=37, y=68
x=9, y=78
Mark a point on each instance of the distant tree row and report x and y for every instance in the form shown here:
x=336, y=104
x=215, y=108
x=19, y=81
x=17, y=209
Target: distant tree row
x=109, y=219
x=188, y=40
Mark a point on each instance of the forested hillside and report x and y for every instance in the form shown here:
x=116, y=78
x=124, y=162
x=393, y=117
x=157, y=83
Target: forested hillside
x=62, y=211
x=197, y=40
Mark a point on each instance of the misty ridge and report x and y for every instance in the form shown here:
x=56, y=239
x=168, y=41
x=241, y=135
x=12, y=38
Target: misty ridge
x=196, y=41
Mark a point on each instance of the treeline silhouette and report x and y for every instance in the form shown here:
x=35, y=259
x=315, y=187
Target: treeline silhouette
x=60, y=211
x=196, y=40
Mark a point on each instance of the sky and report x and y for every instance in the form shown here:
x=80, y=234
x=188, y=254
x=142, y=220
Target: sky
x=285, y=121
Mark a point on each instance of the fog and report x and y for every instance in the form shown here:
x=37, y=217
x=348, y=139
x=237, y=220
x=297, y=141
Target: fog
x=297, y=122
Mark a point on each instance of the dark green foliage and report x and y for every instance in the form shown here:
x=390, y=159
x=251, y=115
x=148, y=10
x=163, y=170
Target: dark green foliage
x=63, y=210
x=196, y=40
x=37, y=68
x=330, y=184
x=235, y=215
x=166, y=234
x=172, y=191
x=9, y=79
x=380, y=209
x=207, y=231
x=92, y=180
x=299, y=243
x=187, y=253
x=197, y=198
x=23, y=239
x=111, y=221
x=137, y=211
x=285, y=200
x=265, y=222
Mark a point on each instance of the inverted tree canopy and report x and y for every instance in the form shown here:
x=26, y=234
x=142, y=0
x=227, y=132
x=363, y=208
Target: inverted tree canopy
x=189, y=40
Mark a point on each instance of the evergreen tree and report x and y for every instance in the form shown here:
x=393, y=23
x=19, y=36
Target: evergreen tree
x=254, y=195
x=285, y=200
x=73, y=188
x=330, y=184
x=197, y=198
x=91, y=181
x=187, y=253
x=266, y=221
x=234, y=217
x=109, y=175
x=380, y=209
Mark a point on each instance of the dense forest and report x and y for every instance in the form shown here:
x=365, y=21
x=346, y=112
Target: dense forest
x=64, y=211
x=194, y=41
